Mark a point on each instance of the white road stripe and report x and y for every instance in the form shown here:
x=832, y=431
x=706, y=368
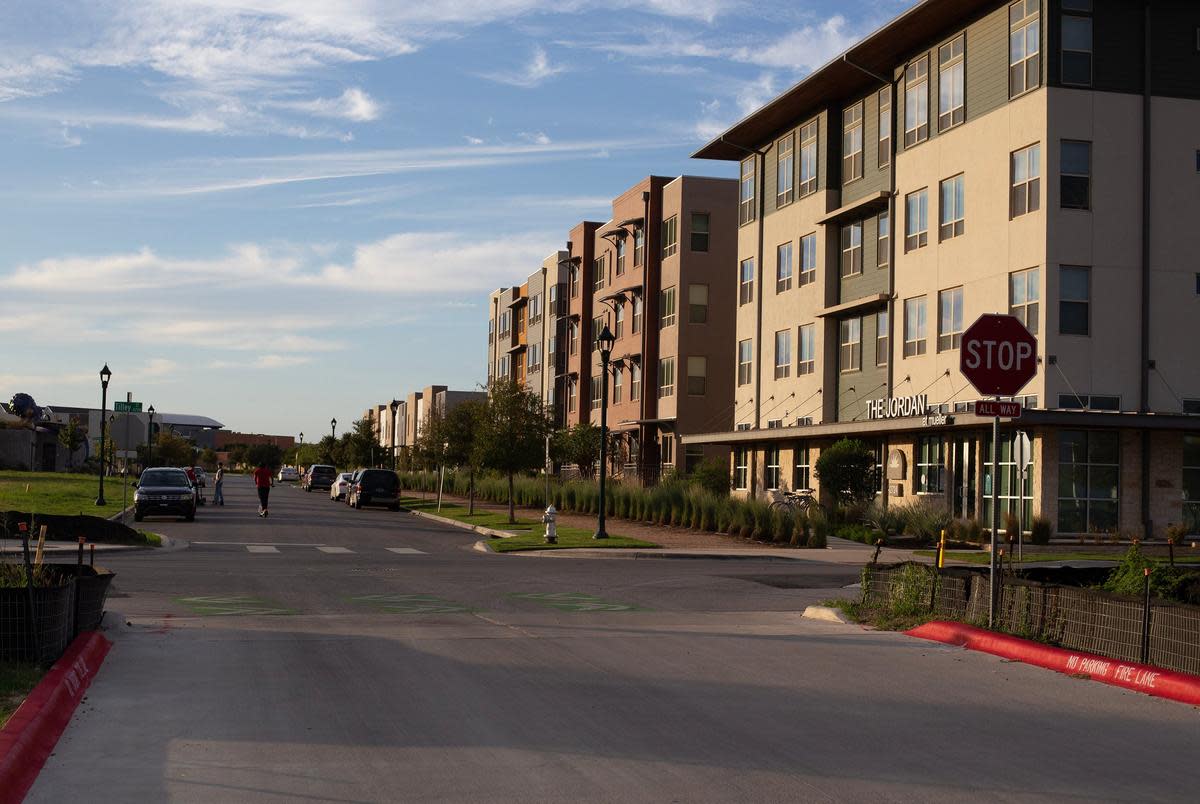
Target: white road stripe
x=261, y=548
x=325, y=549
x=406, y=551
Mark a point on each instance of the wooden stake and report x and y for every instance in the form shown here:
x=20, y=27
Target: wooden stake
x=41, y=548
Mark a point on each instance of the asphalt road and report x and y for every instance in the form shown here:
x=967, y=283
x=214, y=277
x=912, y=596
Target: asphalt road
x=327, y=654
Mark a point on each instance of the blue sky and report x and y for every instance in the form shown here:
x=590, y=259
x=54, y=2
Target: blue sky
x=277, y=211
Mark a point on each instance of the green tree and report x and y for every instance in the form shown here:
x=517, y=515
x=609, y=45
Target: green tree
x=268, y=455
x=169, y=450
x=72, y=438
x=460, y=431
x=847, y=470
x=208, y=459
x=579, y=445
x=512, y=434
x=712, y=475
x=326, y=450
x=237, y=454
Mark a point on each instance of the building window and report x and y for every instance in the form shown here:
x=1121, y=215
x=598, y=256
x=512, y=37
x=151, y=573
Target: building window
x=950, y=319
x=914, y=326
x=746, y=192
x=635, y=382
x=1092, y=402
x=785, y=170
x=1089, y=480
x=952, y=210
x=666, y=308
x=596, y=396
x=599, y=272
x=883, y=338
x=535, y=308
x=1191, y=483
x=1023, y=296
x=594, y=333
x=808, y=159
x=808, y=259
x=572, y=396
x=746, y=282
x=1024, y=47
x=618, y=383
x=492, y=327
x=885, y=127
x=1026, y=180
x=636, y=325
x=670, y=237
x=666, y=447
x=783, y=354
x=772, y=475
x=1075, y=175
x=697, y=304
x=699, y=231
x=916, y=102
x=639, y=246
x=883, y=240
x=533, y=358
x=1076, y=46
x=666, y=377
x=783, y=268
x=573, y=337
x=851, y=344
x=916, y=220
x=745, y=362
x=930, y=465
x=573, y=280
x=741, y=468
x=852, y=249
x=619, y=320
x=801, y=469
x=852, y=143
x=620, y=255
x=807, y=348
x=951, y=72
x=1074, y=300
x=693, y=456
x=505, y=323
x=697, y=376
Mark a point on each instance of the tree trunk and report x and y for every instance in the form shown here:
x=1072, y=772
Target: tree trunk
x=471, y=493
x=512, y=514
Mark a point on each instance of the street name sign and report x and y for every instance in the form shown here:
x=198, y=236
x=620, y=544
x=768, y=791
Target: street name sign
x=992, y=407
x=127, y=407
x=998, y=355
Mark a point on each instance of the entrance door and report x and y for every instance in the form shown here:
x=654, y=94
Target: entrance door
x=962, y=472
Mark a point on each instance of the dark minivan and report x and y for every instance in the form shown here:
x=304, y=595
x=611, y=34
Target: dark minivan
x=375, y=487
x=319, y=476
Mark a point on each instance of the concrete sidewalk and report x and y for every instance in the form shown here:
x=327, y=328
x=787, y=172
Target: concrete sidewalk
x=835, y=554
x=13, y=546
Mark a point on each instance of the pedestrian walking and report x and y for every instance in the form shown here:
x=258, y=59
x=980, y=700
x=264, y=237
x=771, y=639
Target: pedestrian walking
x=262, y=480
x=218, y=493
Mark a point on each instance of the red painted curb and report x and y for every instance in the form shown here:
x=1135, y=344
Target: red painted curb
x=30, y=735
x=1145, y=678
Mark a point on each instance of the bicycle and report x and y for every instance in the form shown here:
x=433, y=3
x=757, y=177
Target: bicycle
x=799, y=501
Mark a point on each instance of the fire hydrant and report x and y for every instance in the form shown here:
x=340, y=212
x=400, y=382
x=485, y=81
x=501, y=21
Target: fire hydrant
x=548, y=519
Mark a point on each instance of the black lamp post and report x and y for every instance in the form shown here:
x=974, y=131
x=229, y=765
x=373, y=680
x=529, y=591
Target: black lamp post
x=604, y=342
x=150, y=438
x=394, y=406
x=333, y=428
x=105, y=376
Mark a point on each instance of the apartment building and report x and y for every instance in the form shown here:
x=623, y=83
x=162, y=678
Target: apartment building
x=656, y=274
x=399, y=423
x=1039, y=158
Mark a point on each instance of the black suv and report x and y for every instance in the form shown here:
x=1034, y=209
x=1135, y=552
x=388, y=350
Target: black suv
x=164, y=491
x=319, y=476
x=375, y=487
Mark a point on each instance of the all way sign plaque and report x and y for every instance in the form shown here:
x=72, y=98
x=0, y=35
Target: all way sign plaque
x=992, y=407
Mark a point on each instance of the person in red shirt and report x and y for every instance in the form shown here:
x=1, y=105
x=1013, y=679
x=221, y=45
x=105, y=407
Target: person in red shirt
x=262, y=480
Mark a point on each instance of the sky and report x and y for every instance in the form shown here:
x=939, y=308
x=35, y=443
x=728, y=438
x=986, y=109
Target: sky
x=275, y=212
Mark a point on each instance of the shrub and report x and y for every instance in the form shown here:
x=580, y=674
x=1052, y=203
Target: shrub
x=856, y=533
x=847, y=469
x=885, y=520
x=712, y=475
x=1012, y=528
x=926, y=518
x=818, y=537
x=799, y=531
x=1129, y=578
x=974, y=532
x=1040, y=531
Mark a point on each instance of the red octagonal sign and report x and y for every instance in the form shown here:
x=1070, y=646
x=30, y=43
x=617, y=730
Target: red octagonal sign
x=998, y=355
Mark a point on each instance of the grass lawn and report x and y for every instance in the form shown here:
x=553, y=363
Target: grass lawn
x=982, y=557
x=59, y=493
x=16, y=680
x=530, y=532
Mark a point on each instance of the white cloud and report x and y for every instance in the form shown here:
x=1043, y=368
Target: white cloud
x=69, y=139
x=804, y=49
x=269, y=361
x=354, y=104
x=536, y=137
x=533, y=74
x=473, y=140
x=754, y=94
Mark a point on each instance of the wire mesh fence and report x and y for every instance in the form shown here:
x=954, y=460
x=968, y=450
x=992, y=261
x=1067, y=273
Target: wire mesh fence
x=1071, y=617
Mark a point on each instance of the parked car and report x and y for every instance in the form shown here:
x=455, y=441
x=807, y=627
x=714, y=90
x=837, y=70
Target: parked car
x=164, y=491
x=319, y=476
x=340, y=487
x=375, y=487
x=288, y=474
x=353, y=480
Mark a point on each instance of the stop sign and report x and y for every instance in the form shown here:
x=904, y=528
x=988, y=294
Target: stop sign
x=998, y=355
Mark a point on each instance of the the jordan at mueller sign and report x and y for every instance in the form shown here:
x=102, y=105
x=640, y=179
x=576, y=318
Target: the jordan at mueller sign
x=897, y=407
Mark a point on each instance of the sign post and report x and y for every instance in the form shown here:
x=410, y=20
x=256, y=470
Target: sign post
x=1022, y=457
x=998, y=357
x=126, y=407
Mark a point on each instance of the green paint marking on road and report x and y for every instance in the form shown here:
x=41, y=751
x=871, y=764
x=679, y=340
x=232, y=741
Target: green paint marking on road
x=232, y=606
x=575, y=601
x=412, y=604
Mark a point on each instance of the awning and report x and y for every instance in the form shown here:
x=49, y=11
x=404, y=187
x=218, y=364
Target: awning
x=858, y=208
x=874, y=300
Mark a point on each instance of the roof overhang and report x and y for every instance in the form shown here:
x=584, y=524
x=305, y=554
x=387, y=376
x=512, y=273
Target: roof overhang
x=859, y=208
x=865, y=303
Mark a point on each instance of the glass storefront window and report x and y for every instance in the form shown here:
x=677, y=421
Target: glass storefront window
x=1089, y=481
x=931, y=465
x=1191, y=483
x=802, y=474
x=1011, y=489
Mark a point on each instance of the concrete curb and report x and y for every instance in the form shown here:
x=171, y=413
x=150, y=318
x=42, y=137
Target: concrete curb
x=827, y=614
x=31, y=734
x=1134, y=676
x=635, y=553
x=454, y=523
x=120, y=514
x=482, y=547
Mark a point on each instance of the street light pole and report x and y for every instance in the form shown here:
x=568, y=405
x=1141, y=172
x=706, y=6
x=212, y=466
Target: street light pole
x=394, y=406
x=105, y=376
x=333, y=428
x=605, y=341
x=150, y=439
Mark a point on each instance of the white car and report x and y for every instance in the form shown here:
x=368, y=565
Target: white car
x=340, y=487
x=288, y=473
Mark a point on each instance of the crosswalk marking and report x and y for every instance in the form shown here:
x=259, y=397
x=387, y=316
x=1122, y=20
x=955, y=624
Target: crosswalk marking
x=406, y=551
x=328, y=549
x=261, y=548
